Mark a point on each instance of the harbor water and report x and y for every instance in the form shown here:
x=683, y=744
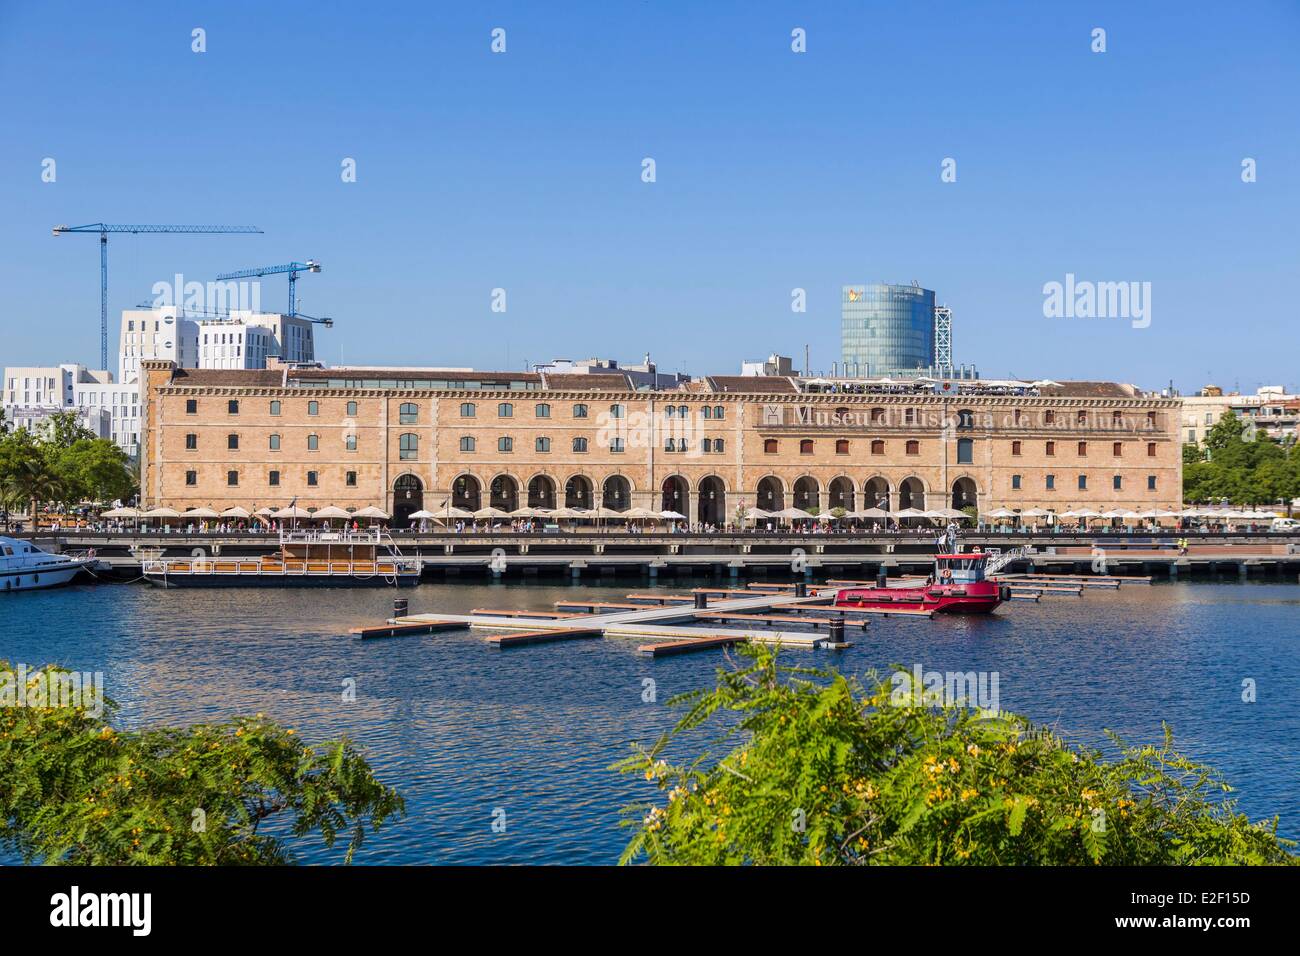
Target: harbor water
x=466, y=731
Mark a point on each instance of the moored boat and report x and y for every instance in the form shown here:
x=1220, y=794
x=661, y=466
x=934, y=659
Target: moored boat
x=305, y=559
x=25, y=567
x=959, y=585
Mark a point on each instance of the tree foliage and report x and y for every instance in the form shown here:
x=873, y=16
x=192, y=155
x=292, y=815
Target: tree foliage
x=819, y=770
x=76, y=790
x=63, y=463
x=1226, y=465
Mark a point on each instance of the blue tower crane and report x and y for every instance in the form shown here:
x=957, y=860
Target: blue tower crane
x=103, y=229
x=292, y=268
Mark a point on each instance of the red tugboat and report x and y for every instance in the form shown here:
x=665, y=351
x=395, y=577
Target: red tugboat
x=958, y=586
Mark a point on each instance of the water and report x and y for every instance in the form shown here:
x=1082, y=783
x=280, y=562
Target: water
x=461, y=728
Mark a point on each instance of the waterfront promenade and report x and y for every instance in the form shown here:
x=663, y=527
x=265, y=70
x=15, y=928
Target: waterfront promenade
x=582, y=553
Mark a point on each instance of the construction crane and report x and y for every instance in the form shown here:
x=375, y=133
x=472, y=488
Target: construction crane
x=103, y=229
x=292, y=268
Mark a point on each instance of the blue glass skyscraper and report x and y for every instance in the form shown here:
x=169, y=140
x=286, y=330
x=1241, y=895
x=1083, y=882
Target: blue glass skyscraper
x=886, y=329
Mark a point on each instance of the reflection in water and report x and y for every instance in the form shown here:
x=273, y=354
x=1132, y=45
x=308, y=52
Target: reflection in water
x=462, y=729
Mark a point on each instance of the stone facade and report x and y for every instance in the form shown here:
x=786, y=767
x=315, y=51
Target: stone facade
x=702, y=452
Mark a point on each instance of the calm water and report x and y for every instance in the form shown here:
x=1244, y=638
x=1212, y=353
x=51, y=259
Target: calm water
x=461, y=728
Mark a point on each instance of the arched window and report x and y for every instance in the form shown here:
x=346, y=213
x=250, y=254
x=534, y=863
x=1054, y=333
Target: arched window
x=579, y=411
x=350, y=442
x=408, y=413
x=877, y=416
x=275, y=408
x=467, y=443
x=505, y=410
x=313, y=442
x=717, y=444
x=770, y=446
x=542, y=410
x=352, y=409
x=914, y=447
x=805, y=446
x=505, y=444
x=878, y=446
x=408, y=446
x=718, y=412
x=670, y=411
x=965, y=451
x=275, y=443
x=580, y=444
x=616, y=411
x=313, y=408
x=841, y=446
x=683, y=411
x=543, y=444
x=708, y=411
x=466, y=409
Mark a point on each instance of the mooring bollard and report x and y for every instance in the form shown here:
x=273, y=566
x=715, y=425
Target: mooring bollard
x=400, y=606
x=836, y=631
x=701, y=599
x=801, y=589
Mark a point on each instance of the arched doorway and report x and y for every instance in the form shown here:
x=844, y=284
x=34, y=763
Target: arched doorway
x=712, y=505
x=675, y=491
x=875, y=494
x=840, y=494
x=466, y=493
x=541, y=493
x=617, y=493
x=911, y=494
x=504, y=493
x=577, y=493
x=408, y=497
x=771, y=495
x=807, y=493
x=964, y=494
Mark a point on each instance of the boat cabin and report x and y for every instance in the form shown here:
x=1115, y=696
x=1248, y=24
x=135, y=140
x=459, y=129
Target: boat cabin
x=964, y=568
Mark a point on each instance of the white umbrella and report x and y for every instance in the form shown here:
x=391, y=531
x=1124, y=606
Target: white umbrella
x=911, y=513
x=529, y=513
x=235, y=512
x=571, y=513
x=370, y=511
x=603, y=512
x=453, y=512
x=293, y=511
x=642, y=514
x=1000, y=513
x=1119, y=513
x=200, y=513
x=490, y=512
x=792, y=514
x=675, y=516
x=1035, y=513
x=950, y=513
x=120, y=513
x=872, y=513
x=265, y=512
x=160, y=513
x=332, y=512
x=1082, y=513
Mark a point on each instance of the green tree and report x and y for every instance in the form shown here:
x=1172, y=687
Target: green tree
x=76, y=790
x=96, y=469
x=815, y=769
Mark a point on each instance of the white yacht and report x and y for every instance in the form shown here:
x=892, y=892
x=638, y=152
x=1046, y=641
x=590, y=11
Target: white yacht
x=24, y=567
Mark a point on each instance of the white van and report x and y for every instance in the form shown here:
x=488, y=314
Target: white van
x=1286, y=524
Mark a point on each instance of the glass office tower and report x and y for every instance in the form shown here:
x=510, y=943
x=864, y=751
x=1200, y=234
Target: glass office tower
x=886, y=329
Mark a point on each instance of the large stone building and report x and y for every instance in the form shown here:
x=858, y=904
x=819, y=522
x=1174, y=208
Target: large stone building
x=407, y=438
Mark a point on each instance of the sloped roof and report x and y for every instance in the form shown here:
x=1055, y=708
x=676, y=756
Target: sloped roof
x=767, y=384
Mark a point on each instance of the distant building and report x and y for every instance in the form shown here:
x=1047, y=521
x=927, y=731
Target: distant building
x=32, y=394
x=773, y=365
x=887, y=329
x=1270, y=409
x=644, y=375
x=240, y=339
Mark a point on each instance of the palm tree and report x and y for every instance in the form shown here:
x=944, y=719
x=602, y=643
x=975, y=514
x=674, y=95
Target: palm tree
x=35, y=481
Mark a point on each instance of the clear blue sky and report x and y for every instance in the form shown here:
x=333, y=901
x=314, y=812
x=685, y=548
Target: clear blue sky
x=775, y=171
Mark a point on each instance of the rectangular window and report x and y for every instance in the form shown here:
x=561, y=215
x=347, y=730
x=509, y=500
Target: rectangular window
x=232, y=442
x=352, y=479
x=1050, y=449
x=1083, y=482
x=466, y=443
x=1051, y=482
x=191, y=441
x=913, y=447
x=1015, y=448
x=1151, y=482
x=1117, y=482
x=543, y=444
x=579, y=411
x=191, y=406
x=1083, y=449
x=275, y=408
x=1015, y=482
x=191, y=477
x=352, y=409
x=965, y=451
x=505, y=444
x=313, y=442
x=350, y=442
x=1151, y=449
x=273, y=478
x=311, y=479
x=313, y=408
x=1118, y=449
x=232, y=478
x=616, y=445
x=275, y=443
x=232, y=406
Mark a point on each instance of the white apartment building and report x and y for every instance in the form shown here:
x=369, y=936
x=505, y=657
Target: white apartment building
x=161, y=333
x=1270, y=409
x=109, y=409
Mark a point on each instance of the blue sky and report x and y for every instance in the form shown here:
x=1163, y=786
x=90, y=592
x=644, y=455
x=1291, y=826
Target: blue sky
x=775, y=171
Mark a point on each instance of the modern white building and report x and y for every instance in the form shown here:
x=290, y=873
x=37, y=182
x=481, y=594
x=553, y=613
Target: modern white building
x=108, y=409
x=161, y=333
